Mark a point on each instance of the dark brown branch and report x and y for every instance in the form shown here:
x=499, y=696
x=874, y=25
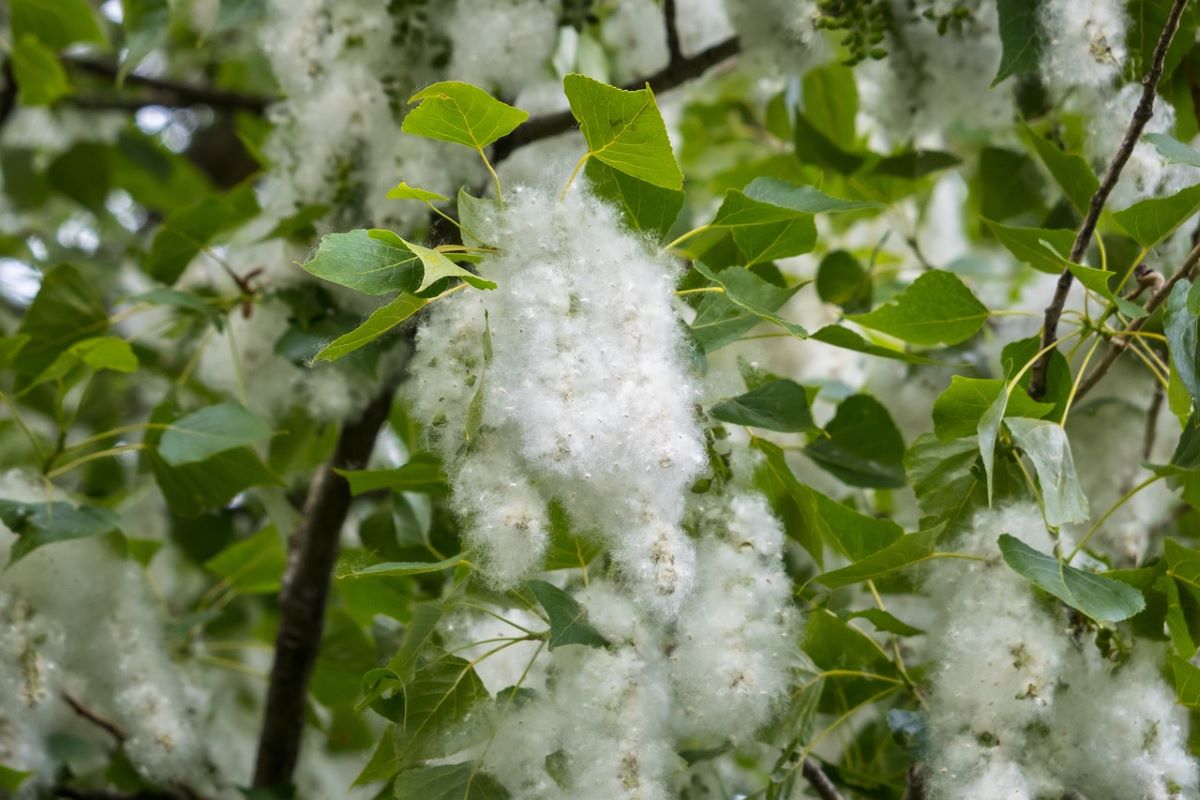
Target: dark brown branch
x=312, y=553
x=112, y=728
x=670, y=14
x=1141, y=115
x=160, y=92
x=674, y=74
x=8, y=93
x=1120, y=341
x=914, y=784
x=819, y=781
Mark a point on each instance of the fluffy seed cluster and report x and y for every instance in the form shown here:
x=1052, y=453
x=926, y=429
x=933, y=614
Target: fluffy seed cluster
x=501, y=45
x=609, y=721
x=585, y=399
x=66, y=632
x=1016, y=710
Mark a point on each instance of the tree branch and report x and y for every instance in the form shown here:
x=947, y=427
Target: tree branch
x=914, y=783
x=107, y=725
x=1120, y=341
x=312, y=553
x=670, y=20
x=1141, y=115
x=160, y=92
x=676, y=73
x=819, y=781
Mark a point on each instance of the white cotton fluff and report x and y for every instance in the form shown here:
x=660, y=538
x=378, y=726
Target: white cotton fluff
x=1146, y=173
x=337, y=133
x=587, y=395
x=1020, y=708
x=501, y=45
x=929, y=83
x=636, y=34
x=604, y=713
x=702, y=24
x=733, y=639
x=68, y=631
x=780, y=34
x=1086, y=46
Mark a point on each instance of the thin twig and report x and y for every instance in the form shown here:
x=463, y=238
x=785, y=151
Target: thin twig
x=112, y=728
x=676, y=72
x=160, y=91
x=819, y=781
x=1141, y=115
x=1156, y=401
x=312, y=553
x=1119, y=342
x=914, y=785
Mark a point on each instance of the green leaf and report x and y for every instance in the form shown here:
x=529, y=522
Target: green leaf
x=1148, y=18
x=1021, y=38
x=831, y=101
x=624, y=130
x=748, y=299
x=851, y=533
x=790, y=499
x=382, y=320
x=11, y=779
x=238, y=14
x=146, y=23
x=39, y=524
x=913, y=164
x=1187, y=682
x=802, y=199
x=1047, y=446
x=838, y=336
x=945, y=478
x=1183, y=563
x=568, y=619
x=67, y=308
x=988, y=431
x=84, y=174
x=399, y=569
x=1182, y=328
x=883, y=621
x=841, y=280
x=936, y=309
x=423, y=473
x=462, y=781
x=1173, y=150
x=451, y=111
x=254, y=565
x=97, y=353
x=1029, y=245
x=436, y=702
x=1070, y=171
x=778, y=405
x=814, y=147
x=909, y=549
x=297, y=226
x=192, y=489
x=1099, y=281
x=1153, y=219
x=1100, y=598
x=211, y=430
x=189, y=230
x=958, y=410
x=55, y=23
x=1176, y=618
x=184, y=300
x=645, y=207
x=403, y=191
x=435, y=266
x=40, y=77
x=1017, y=354
x=862, y=446
x=474, y=215
x=764, y=232
x=372, y=264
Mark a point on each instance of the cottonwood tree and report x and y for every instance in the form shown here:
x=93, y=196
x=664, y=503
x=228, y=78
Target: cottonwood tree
x=599, y=399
